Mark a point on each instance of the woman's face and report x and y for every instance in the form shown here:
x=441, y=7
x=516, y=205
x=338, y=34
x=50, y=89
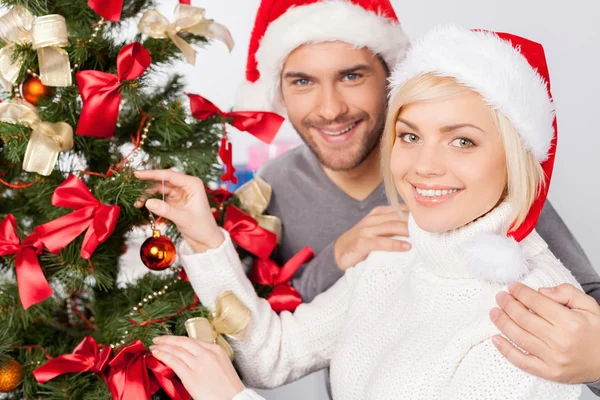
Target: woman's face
x=448, y=161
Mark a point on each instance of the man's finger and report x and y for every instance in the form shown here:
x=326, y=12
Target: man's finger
x=373, y=220
x=525, y=362
x=387, y=229
x=569, y=296
x=527, y=320
x=381, y=210
x=387, y=244
x=516, y=334
x=548, y=309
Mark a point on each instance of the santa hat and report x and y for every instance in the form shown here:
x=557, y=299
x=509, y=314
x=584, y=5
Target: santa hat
x=511, y=74
x=281, y=26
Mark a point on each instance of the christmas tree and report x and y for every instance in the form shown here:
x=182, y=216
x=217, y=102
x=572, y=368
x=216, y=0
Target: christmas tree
x=82, y=109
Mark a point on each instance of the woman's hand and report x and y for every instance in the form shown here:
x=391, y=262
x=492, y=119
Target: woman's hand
x=204, y=369
x=186, y=205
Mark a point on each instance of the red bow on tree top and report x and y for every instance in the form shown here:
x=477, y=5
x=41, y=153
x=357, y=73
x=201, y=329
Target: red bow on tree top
x=111, y=9
x=32, y=284
x=266, y=272
x=101, y=92
x=262, y=125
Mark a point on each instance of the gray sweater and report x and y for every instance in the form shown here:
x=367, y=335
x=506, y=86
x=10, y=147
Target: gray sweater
x=315, y=212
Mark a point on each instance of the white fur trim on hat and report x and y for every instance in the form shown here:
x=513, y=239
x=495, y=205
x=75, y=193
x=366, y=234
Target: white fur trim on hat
x=493, y=68
x=496, y=258
x=325, y=21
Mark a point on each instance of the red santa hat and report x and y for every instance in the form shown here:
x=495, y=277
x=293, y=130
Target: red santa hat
x=281, y=26
x=511, y=74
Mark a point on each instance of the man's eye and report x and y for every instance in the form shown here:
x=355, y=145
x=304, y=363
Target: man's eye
x=301, y=82
x=351, y=77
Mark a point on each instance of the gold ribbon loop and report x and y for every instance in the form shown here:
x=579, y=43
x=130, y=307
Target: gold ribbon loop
x=47, y=35
x=255, y=197
x=15, y=28
x=187, y=19
x=231, y=317
x=47, y=138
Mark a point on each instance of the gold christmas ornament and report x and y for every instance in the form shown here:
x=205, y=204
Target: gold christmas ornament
x=46, y=141
x=231, y=317
x=47, y=35
x=11, y=376
x=255, y=197
x=33, y=90
x=187, y=19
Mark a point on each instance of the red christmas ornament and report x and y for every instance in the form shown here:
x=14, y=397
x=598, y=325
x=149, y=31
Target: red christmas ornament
x=158, y=252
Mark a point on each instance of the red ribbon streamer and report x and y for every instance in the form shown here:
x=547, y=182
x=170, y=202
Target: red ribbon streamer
x=98, y=219
x=263, y=125
x=109, y=9
x=85, y=358
x=32, y=284
x=245, y=231
x=101, y=92
x=266, y=272
x=130, y=378
x=226, y=155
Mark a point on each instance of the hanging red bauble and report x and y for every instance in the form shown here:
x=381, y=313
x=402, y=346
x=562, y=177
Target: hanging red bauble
x=11, y=376
x=158, y=252
x=33, y=90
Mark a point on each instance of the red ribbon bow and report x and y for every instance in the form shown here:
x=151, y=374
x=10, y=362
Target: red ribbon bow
x=98, y=219
x=101, y=92
x=266, y=272
x=109, y=9
x=130, y=379
x=85, y=358
x=263, y=125
x=33, y=286
x=245, y=231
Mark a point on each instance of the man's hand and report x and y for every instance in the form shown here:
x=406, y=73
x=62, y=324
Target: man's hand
x=561, y=335
x=204, y=369
x=372, y=233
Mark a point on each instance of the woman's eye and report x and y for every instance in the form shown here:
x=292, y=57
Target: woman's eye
x=409, y=138
x=462, y=143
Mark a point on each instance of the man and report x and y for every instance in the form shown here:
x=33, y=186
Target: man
x=325, y=65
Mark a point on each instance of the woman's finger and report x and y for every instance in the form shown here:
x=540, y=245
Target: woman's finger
x=165, y=189
x=166, y=175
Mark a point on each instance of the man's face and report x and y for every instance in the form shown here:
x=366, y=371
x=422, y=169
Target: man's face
x=335, y=96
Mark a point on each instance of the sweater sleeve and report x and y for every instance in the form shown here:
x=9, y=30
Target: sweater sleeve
x=565, y=247
x=485, y=374
x=318, y=275
x=279, y=348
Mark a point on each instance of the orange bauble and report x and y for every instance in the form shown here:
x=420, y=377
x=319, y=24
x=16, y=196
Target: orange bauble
x=11, y=376
x=158, y=252
x=33, y=90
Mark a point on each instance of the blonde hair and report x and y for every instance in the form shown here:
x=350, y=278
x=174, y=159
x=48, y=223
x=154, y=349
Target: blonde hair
x=525, y=174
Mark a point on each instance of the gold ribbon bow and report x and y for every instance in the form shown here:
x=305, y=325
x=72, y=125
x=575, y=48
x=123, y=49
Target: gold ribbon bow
x=187, y=19
x=46, y=34
x=255, y=197
x=47, y=138
x=231, y=317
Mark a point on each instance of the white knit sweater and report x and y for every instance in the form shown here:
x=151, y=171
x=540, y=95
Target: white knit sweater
x=397, y=326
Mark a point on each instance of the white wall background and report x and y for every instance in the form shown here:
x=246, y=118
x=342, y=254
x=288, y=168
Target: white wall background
x=570, y=32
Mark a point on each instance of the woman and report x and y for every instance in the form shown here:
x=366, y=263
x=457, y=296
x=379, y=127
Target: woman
x=469, y=145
